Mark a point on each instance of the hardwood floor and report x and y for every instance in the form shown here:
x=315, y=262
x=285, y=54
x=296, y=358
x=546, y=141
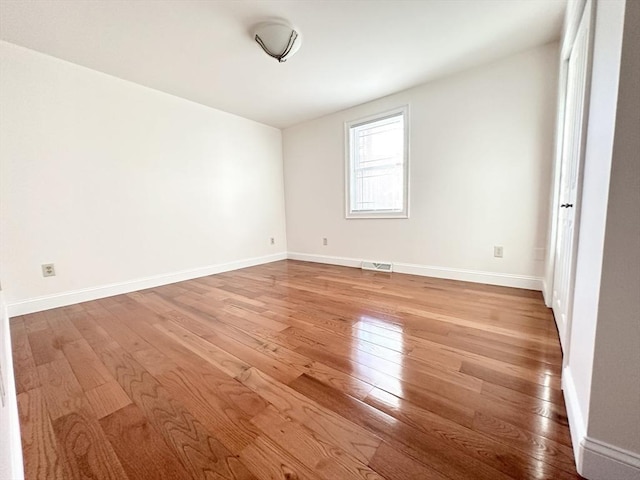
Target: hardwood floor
x=294, y=370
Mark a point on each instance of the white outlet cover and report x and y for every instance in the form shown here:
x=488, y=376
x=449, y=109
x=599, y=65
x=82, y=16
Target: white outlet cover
x=48, y=270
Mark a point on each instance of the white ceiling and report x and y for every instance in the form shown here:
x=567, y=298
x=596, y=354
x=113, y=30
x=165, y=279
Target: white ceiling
x=353, y=51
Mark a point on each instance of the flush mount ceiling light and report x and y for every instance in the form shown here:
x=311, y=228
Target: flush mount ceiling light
x=278, y=40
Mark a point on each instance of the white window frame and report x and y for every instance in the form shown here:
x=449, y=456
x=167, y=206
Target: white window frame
x=404, y=213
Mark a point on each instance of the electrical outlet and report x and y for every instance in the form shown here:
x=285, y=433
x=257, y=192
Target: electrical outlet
x=497, y=251
x=325, y=242
x=272, y=241
x=48, y=270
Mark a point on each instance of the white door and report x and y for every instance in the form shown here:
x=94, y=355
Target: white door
x=570, y=179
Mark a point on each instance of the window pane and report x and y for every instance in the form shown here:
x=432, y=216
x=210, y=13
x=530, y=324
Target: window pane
x=377, y=165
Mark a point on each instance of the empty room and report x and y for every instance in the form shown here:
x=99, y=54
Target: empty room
x=320, y=239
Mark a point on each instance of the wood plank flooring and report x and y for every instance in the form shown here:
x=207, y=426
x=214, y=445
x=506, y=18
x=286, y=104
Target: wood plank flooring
x=295, y=370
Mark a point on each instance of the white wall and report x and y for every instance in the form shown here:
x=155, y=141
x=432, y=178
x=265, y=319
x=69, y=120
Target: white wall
x=114, y=182
x=615, y=400
x=597, y=165
x=10, y=447
x=601, y=378
x=480, y=158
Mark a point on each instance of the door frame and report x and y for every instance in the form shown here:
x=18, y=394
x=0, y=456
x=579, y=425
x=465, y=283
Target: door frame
x=575, y=13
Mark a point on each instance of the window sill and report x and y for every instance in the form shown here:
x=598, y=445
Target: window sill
x=352, y=216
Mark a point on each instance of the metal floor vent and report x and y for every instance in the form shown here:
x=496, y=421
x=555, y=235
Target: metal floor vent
x=378, y=266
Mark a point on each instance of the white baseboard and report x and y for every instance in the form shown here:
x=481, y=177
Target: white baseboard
x=595, y=460
x=47, y=302
x=577, y=425
x=342, y=261
x=546, y=294
x=491, y=278
x=602, y=461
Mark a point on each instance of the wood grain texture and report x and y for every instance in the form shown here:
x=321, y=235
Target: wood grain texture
x=42, y=459
x=141, y=449
x=61, y=389
x=26, y=373
x=395, y=465
x=199, y=450
x=64, y=331
x=268, y=461
x=45, y=346
x=293, y=370
x=107, y=398
x=312, y=449
x=231, y=425
x=85, y=449
x=87, y=367
x=441, y=457
x=345, y=434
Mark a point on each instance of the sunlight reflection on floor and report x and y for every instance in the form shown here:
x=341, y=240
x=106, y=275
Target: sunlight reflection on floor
x=394, y=362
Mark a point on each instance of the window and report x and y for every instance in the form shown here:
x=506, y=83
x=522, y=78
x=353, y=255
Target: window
x=377, y=166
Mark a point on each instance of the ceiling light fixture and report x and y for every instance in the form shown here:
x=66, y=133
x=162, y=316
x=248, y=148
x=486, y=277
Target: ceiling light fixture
x=278, y=40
